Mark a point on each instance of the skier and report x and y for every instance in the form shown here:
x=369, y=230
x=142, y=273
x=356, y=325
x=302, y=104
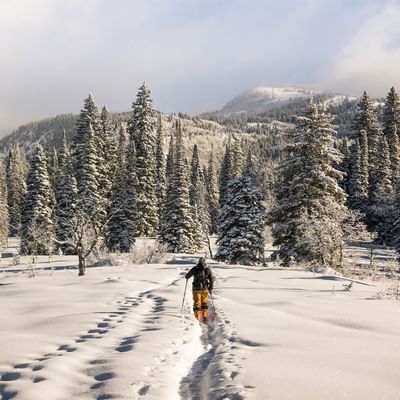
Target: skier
x=202, y=285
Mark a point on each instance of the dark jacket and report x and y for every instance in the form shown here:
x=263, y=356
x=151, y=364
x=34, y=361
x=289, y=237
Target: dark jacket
x=202, y=277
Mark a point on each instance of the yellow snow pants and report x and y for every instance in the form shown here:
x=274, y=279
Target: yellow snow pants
x=200, y=304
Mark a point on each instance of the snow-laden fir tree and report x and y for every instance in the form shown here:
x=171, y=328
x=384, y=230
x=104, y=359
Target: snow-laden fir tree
x=87, y=155
x=358, y=174
x=65, y=195
x=381, y=210
x=237, y=160
x=391, y=131
x=16, y=170
x=212, y=194
x=121, y=232
x=345, y=165
x=242, y=222
x=366, y=120
x=161, y=184
x=53, y=165
x=177, y=226
x=89, y=117
x=226, y=173
x=141, y=129
x=169, y=169
x=308, y=194
x=37, y=221
x=3, y=206
x=87, y=177
x=107, y=157
x=198, y=200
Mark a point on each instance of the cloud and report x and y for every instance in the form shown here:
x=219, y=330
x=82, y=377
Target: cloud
x=371, y=58
x=195, y=54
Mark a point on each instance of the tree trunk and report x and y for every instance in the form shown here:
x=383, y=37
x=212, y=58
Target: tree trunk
x=82, y=263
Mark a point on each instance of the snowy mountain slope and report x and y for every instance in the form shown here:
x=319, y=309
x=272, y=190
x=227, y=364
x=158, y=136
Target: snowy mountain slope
x=49, y=132
x=263, y=99
x=119, y=332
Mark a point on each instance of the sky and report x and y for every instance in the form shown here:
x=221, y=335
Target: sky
x=195, y=55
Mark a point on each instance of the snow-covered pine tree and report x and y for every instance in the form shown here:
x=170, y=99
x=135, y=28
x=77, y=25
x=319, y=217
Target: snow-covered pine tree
x=3, y=206
x=177, y=226
x=161, y=185
x=169, y=170
x=366, y=120
x=381, y=210
x=53, y=165
x=16, y=170
x=308, y=195
x=107, y=157
x=87, y=177
x=391, y=131
x=141, y=131
x=345, y=165
x=89, y=116
x=242, y=223
x=212, y=194
x=237, y=160
x=65, y=195
x=226, y=173
x=87, y=155
x=121, y=232
x=36, y=221
x=358, y=174
x=251, y=169
x=198, y=200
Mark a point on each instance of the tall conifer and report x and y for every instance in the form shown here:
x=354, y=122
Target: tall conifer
x=142, y=132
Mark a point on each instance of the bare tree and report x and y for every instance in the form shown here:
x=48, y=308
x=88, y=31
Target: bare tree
x=87, y=236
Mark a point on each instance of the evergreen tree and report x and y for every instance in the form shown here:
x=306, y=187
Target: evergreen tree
x=170, y=159
x=177, y=225
x=141, y=131
x=65, y=196
x=198, y=200
x=121, y=233
x=345, y=165
x=212, y=194
x=16, y=187
x=310, y=203
x=107, y=157
x=87, y=153
x=238, y=160
x=36, y=221
x=87, y=178
x=366, y=120
x=383, y=197
x=241, y=224
x=89, y=118
x=226, y=173
x=160, y=168
x=358, y=179
x=391, y=131
x=3, y=206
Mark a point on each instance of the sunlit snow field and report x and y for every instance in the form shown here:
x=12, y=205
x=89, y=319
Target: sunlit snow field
x=119, y=333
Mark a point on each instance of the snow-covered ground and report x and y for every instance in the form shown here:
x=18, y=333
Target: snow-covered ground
x=119, y=333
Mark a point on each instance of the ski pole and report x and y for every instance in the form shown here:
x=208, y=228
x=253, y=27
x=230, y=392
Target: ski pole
x=212, y=300
x=184, y=294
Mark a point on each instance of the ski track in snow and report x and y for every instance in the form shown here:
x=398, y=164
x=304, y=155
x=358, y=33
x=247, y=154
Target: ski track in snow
x=212, y=375
x=198, y=362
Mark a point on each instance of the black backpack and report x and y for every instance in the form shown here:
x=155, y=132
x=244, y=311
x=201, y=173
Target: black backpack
x=202, y=279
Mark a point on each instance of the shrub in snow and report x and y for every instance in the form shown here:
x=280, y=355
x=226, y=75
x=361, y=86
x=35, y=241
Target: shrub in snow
x=148, y=252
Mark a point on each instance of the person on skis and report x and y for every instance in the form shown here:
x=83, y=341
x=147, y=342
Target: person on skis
x=202, y=285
